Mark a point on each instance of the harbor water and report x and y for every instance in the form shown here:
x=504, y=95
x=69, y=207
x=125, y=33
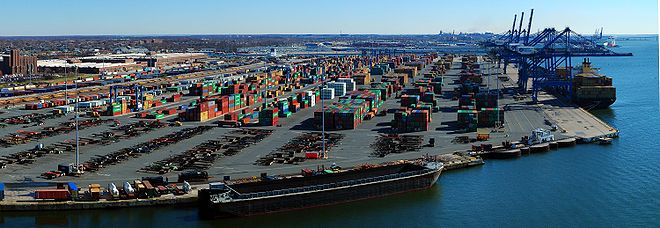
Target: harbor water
x=588, y=185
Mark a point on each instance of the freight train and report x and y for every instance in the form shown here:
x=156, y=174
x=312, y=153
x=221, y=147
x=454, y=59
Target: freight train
x=99, y=81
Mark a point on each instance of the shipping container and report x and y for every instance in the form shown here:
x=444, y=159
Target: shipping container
x=53, y=194
x=411, y=121
x=409, y=100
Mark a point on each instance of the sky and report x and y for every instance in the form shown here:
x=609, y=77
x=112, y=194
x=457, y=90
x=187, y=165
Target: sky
x=151, y=17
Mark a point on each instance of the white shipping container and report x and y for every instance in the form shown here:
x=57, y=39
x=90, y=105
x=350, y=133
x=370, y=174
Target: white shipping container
x=97, y=103
x=65, y=108
x=327, y=94
x=350, y=83
x=123, y=98
x=311, y=99
x=85, y=104
x=339, y=87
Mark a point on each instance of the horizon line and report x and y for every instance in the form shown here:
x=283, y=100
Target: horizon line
x=265, y=34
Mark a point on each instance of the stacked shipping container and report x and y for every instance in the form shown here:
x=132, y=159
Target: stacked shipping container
x=411, y=121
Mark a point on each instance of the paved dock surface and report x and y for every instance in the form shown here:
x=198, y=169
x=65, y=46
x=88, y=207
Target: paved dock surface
x=22, y=200
x=575, y=121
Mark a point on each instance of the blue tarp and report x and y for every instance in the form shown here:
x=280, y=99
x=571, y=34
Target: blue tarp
x=72, y=186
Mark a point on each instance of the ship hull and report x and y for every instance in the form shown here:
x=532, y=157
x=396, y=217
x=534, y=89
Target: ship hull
x=595, y=103
x=265, y=205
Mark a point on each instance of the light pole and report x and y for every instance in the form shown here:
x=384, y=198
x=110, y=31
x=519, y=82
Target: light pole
x=497, y=74
x=77, y=164
x=267, y=82
x=325, y=154
x=488, y=72
x=66, y=84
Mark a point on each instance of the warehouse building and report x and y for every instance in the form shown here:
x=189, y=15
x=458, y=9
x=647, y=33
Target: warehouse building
x=14, y=63
x=117, y=62
x=149, y=59
x=57, y=66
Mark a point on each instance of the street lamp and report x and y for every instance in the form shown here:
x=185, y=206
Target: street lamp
x=77, y=164
x=325, y=153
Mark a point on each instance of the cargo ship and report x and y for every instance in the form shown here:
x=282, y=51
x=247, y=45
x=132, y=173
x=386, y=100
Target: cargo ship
x=591, y=90
x=611, y=42
x=327, y=187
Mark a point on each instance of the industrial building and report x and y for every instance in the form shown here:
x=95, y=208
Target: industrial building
x=14, y=63
x=52, y=66
x=148, y=59
x=117, y=62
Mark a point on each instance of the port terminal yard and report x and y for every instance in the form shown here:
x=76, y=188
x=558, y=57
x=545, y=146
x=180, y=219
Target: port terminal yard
x=521, y=116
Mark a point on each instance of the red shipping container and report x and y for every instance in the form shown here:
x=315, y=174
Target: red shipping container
x=312, y=155
x=56, y=194
x=203, y=107
x=231, y=116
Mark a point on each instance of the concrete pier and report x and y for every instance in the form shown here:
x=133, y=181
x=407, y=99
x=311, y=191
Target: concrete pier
x=22, y=201
x=573, y=121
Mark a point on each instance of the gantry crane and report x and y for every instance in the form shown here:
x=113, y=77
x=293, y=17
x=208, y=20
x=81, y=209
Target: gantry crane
x=139, y=94
x=538, y=56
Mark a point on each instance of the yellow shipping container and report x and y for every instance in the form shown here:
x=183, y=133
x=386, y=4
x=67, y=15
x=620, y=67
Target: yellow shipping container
x=204, y=116
x=148, y=97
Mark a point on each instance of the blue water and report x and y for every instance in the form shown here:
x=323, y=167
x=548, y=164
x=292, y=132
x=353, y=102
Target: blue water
x=588, y=185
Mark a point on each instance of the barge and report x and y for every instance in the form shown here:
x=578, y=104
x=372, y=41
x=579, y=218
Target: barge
x=228, y=199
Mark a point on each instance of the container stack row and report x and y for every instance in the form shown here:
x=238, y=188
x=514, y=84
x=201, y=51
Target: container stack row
x=411, y=120
x=344, y=114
